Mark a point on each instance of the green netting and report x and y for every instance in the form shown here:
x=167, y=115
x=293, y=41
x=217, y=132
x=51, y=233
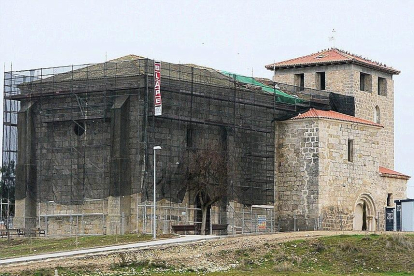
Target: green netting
x=281, y=96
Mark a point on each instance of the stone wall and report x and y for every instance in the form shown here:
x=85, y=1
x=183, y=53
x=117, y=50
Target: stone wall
x=338, y=78
x=316, y=181
x=341, y=182
x=365, y=103
x=345, y=79
x=297, y=170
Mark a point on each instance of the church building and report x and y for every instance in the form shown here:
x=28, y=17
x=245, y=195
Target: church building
x=311, y=149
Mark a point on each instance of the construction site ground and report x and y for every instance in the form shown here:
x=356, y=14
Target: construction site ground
x=209, y=253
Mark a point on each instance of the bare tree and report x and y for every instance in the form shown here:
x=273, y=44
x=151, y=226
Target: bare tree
x=206, y=178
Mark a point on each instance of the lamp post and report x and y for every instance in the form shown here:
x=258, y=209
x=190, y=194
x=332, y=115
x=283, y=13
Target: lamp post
x=154, y=234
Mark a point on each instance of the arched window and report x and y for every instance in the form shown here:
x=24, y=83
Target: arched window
x=377, y=115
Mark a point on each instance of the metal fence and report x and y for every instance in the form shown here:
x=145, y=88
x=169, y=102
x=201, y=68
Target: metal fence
x=253, y=219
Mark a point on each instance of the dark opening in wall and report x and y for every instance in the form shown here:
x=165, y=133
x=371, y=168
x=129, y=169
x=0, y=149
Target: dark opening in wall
x=389, y=200
x=382, y=86
x=300, y=81
x=365, y=82
x=320, y=81
x=350, y=150
x=79, y=128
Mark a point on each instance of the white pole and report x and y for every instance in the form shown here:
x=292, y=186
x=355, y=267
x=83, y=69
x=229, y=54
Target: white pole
x=155, y=195
x=154, y=229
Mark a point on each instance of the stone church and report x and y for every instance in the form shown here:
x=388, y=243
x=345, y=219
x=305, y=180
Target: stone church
x=316, y=142
x=332, y=164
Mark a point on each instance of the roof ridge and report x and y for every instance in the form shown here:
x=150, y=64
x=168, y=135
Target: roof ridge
x=338, y=56
x=355, y=56
x=317, y=113
x=344, y=53
x=292, y=59
x=385, y=171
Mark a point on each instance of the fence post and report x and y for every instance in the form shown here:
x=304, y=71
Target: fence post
x=271, y=221
x=234, y=224
x=122, y=223
x=294, y=223
x=70, y=225
x=211, y=223
x=186, y=213
x=243, y=221
x=83, y=224
x=144, y=216
x=137, y=217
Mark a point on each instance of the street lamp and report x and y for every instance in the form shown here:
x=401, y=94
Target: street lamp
x=154, y=234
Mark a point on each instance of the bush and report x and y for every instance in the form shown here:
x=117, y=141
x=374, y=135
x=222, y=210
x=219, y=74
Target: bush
x=348, y=247
x=283, y=267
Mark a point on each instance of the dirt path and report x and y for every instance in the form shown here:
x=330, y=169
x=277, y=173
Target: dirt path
x=211, y=255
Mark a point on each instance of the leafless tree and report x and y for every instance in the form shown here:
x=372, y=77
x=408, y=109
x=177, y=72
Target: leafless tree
x=206, y=178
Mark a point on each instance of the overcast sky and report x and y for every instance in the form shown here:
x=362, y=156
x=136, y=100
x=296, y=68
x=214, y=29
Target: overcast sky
x=238, y=36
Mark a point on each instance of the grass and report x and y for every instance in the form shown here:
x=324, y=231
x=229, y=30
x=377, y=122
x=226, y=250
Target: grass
x=25, y=246
x=380, y=255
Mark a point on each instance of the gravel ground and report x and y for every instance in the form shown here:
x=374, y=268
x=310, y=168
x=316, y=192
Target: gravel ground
x=213, y=255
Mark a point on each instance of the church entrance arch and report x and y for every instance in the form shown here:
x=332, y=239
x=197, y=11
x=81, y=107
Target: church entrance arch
x=364, y=213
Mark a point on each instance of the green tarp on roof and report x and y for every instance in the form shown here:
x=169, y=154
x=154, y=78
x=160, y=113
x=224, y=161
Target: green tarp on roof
x=281, y=96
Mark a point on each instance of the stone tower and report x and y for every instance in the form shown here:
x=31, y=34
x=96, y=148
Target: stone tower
x=370, y=83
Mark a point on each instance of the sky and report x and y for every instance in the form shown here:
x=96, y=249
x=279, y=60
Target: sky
x=238, y=36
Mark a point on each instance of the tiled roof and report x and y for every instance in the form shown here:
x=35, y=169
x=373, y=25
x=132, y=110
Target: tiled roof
x=316, y=113
x=390, y=173
x=331, y=56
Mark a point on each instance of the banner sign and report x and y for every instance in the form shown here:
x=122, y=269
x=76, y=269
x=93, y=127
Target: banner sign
x=261, y=222
x=157, y=88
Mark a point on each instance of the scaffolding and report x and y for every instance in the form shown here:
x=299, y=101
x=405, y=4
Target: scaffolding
x=83, y=128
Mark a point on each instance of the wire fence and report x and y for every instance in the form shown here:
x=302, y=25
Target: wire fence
x=173, y=219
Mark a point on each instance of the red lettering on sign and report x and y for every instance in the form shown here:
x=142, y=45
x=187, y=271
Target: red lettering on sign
x=157, y=89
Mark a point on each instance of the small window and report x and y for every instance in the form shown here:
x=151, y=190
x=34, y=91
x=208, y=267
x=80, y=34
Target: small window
x=377, y=115
x=365, y=82
x=382, y=86
x=350, y=150
x=362, y=82
x=300, y=81
x=389, y=200
x=320, y=80
x=79, y=128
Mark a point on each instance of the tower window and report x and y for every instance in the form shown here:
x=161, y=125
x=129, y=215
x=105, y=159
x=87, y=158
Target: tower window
x=382, y=86
x=389, y=200
x=300, y=81
x=365, y=82
x=320, y=80
x=350, y=150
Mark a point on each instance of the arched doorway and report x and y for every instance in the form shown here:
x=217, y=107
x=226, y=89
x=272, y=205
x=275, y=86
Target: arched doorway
x=364, y=214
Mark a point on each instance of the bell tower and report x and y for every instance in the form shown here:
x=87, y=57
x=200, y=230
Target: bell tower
x=369, y=82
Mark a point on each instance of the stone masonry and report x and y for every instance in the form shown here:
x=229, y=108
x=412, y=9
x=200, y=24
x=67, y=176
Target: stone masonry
x=345, y=79
x=315, y=182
